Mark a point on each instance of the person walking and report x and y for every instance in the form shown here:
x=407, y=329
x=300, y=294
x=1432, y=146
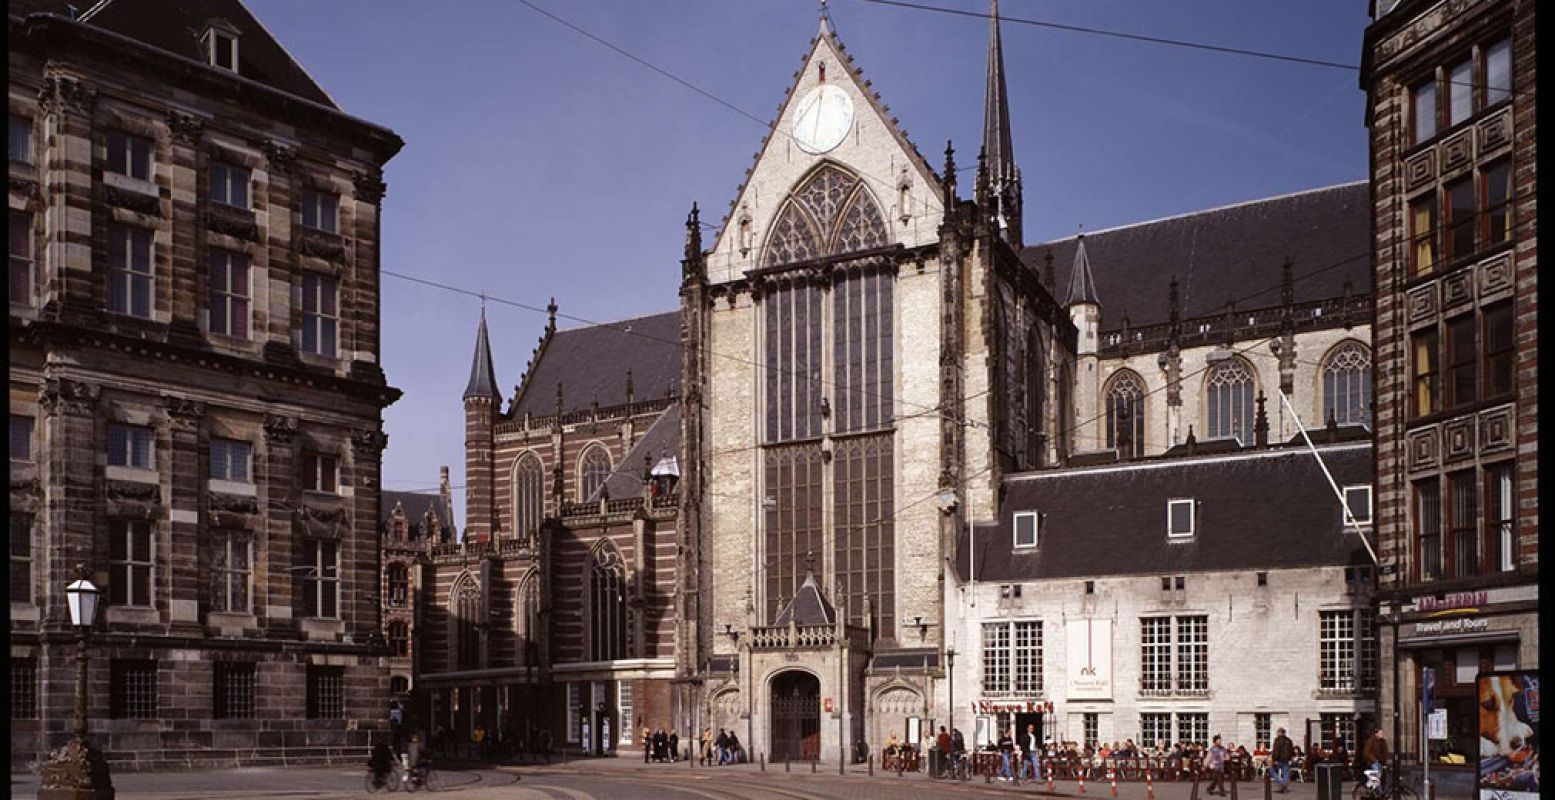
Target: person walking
x=1215, y=762
x=722, y=743
x=1031, y=755
x=942, y=745
x=674, y=747
x=545, y=744
x=707, y=746
x=1284, y=750
x=1006, y=751
x=647, y=744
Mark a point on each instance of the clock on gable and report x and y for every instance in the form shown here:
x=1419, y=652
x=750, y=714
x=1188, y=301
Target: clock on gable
x=823, y=120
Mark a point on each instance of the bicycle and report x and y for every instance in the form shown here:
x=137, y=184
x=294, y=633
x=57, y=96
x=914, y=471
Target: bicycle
x=386, y=781
x=1372, y=789
x=960, y=767
x=421, y=777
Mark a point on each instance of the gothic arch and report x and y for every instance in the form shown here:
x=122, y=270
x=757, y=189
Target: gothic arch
x=830, y=210
x=1229, y=389
x=465, y=622
x=605, y=612
x=1345, y=382
x=593, y=470
x=526, y=618
x=891, y=705
x=528, y=486
x=1124, y=400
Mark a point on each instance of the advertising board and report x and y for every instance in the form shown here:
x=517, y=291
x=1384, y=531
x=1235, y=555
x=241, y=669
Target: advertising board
x=1508, y=735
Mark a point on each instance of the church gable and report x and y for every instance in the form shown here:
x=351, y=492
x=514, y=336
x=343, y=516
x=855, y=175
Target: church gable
x=835, y=175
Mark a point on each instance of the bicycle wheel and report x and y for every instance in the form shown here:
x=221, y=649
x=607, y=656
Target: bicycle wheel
x=373, y=784
x=1361, y=792
x=1406, y=792
x=432, y=781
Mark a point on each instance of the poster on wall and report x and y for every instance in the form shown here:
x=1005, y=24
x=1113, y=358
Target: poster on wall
x=983, y=733
x=1089, y=659
x=1508, y=735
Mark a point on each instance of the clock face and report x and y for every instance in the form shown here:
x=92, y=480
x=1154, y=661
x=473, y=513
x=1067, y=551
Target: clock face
x=824, y=118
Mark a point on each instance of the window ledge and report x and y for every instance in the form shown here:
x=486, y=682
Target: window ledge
x=26, y=612
x=132, y=474
x=232, y=487
x=129, y=184
x=135, y=615
x=231, y=623
x=321, y=628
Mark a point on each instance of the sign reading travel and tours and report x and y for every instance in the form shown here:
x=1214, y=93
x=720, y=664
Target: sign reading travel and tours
x=1089, y=644
x=1508, y=739
x=1460, y=625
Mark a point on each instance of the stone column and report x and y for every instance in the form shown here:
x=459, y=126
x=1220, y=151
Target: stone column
x=185, y=499
x=274, y=598
x=67, y=103
x=185, y=133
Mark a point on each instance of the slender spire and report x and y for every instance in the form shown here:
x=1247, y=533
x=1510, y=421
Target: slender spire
x=1003, y=177
x=483, y=376
x=1082, y=287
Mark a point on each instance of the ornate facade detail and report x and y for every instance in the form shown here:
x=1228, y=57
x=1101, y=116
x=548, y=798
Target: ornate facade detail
x=232, y=503
x=232, y=222
x=370, y=187
x=186, y=129
x=832, y=211
x=320, y=245
x=1459, y=439
x=280, y=430
x=134, y=201
x=279, y=157
x=66, y=94
x=68, y=397
x=368, y=443
x=1423, y=448
x=183, y=412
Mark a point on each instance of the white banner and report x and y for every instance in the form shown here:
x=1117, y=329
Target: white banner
x=1089, y=646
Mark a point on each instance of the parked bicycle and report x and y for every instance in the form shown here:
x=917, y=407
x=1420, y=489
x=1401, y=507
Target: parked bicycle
x=378, y=781
x=1372, y=789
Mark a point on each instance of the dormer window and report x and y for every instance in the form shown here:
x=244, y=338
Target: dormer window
x=1026, y=529
x=1179, y=518
x=220, y=43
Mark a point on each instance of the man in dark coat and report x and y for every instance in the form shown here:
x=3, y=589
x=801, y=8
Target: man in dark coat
x=1282, y=753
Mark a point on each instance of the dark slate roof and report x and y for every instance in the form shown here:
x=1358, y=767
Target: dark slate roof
x=591, y=364
x=1225, y=253
x=661, y=439
x=1082, y=286
x=809, y=606
x=176, y=26
x=21, y=8
x=1256, y=510
x=483, y=376
x=416, y=505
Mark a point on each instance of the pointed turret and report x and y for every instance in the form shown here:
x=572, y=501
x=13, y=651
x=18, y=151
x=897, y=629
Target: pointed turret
x=483, y=376
x=1003, y=176
x=1082, y=287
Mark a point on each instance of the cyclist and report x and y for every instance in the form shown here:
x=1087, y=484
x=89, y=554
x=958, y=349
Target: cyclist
x=379, y=763
x=958, y=757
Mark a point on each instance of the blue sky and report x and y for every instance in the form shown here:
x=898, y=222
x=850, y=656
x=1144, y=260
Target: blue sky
x=539, y=163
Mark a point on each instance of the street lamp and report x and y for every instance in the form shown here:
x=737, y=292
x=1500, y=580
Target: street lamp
x=950, y=675
x=78, y=771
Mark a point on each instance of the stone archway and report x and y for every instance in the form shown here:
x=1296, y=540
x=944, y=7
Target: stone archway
x=892, y=706
x=795, y=716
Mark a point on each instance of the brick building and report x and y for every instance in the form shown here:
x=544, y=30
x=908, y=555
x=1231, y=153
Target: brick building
x=1451, y=116
x=411, y=523
x=195, y=394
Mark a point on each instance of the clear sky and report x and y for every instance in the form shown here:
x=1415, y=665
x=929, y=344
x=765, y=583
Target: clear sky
x=538, y=163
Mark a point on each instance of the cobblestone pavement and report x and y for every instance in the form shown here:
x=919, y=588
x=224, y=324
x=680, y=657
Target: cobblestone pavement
x=604, y=779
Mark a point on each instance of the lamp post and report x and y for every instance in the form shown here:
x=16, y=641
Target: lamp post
x=77, y=771
x=950, y=675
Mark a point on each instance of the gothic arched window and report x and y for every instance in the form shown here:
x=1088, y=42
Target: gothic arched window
x=1036, y=376
x=1347, y=384
x=466, y=605
x=527, y=619
x=1229, y=401
x=528, y=495
x=1125, y=399
x=832, y=211
x=607, y=605
x=593, y=471
x=399, y=639
x=399, y=585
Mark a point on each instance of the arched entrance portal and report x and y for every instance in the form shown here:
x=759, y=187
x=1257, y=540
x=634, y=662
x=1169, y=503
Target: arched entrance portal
x=796, y=717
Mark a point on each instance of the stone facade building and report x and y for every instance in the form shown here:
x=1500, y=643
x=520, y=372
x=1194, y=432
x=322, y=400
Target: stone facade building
x=195, y=394
x=411, y=523
x=1452, y=118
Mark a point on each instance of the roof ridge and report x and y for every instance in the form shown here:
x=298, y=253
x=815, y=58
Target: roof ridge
x=592, y=325
x=285, y=52
x=1203, y=211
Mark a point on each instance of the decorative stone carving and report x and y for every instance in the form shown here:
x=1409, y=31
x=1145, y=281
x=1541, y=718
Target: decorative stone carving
x=1495, y=429
x=1423, y=448
x=280, y=430
x=1420, y=170
x=320, y=245
x=183, y=412
x=1423, y=27
x=232, y=222
x=1457, y=151
x=185, y=128
x=1458, y=436
x=322, y=520
x=369, y=186
x=25, y=186
x=26, y=486
x=65, y=396
x=134, y=201
x=1457, y=288
x=1495, y=131
x=133, y=500
x=1495, y=275
x=367, y=443
x=66, y=94
x=1422, y=303
x=233, y=503
x=279, y=157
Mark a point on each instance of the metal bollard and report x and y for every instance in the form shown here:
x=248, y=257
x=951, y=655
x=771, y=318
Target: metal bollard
x=812, y=764
x=1233, y=783
x=1194, y=794
x=1268, y=786
x=871, y=765
x=763, y=757
x=842, y=759
x=785, y=764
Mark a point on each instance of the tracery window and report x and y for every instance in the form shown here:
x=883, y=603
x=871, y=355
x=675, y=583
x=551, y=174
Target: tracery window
x=607, y=605
x=792, y=506
x=528, y=495
x=399, y=585
x=865, y=533
x=593, y=471
x=1347, y=385
x=467, y=621
x=1126, y=414
x=832, y=211
x=1229, y=398
x=528, y=620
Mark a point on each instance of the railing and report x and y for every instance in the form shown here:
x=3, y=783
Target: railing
x=591, y=414
x=1214, y=329
x=786, y=637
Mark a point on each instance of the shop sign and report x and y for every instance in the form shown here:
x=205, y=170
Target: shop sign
x=1445, y=626
x=1452, y=603
x=1011, y=707
x=1508, y=739
x=1089, y=659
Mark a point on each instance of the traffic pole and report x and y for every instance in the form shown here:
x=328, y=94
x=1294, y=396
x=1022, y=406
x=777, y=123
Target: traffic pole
x=1082, y=780
x=1149, y=785
x=1112, y=774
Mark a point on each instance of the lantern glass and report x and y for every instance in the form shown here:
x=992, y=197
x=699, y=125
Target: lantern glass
x=82, y=598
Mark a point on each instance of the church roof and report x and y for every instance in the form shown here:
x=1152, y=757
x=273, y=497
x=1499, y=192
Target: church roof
x=483, y=377
x=176, y=27
x=662, y=439
x=1082, y=286
x=416, y=506
x=808, y=606
x=1111, y=520
x=1225, y=253
x=591, y=364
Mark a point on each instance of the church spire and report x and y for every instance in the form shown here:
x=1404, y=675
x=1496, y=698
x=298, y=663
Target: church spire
x=483, y=376
x=1002, y=173
x=1082, y=287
